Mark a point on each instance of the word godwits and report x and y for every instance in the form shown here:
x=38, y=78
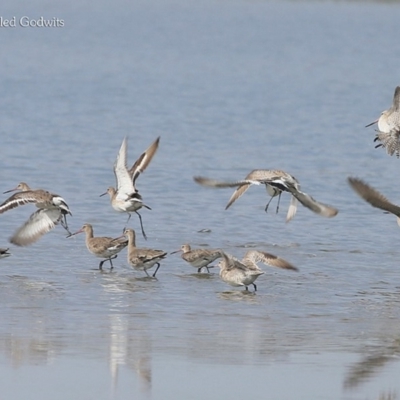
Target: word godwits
x=27, y=22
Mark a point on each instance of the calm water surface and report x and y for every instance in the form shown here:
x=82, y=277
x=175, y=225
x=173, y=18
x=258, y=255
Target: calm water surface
x=229, y=87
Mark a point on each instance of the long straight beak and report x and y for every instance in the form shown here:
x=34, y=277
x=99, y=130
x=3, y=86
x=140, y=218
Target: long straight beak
x=120, y=237
x=11, y=190
x=177, y=251
x=73, y=234
x=372, y=123
x=103, y=194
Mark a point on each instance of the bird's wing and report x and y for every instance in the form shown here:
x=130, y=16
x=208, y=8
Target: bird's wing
x=292, y=209
x=372, y=196
x=255, y=256
x=237, y=193
x=39, y=223
x=230, y=262
x=118, y=243
x=389, y=141
x=242, y=186
x=149, y=255
x=396, y=99
x=143, y=161
x=124, y=181
x=18, y=199
x=201, y=180
x=307, y=201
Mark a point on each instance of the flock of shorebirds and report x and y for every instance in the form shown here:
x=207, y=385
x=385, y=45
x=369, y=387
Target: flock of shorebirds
x=125, y=198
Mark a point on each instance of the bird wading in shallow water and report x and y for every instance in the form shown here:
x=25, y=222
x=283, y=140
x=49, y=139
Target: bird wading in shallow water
x=102, y=246
x=199, y=258
x=142, y=259
x=245, y=272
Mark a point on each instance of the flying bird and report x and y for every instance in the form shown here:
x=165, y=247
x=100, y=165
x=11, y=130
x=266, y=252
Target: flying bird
x=52, y=210
x=125, y=198
x=389, y=127
x=276, y=182
x=373, y=197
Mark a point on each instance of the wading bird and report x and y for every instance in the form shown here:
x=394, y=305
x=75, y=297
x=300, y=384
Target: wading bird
x=142, y=259
x=199, y=258
x=246, y=271
x=102, y=246
x=125, y=197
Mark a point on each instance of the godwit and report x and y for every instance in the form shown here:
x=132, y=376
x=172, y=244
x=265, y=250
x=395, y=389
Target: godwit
x=142, y=259
x=22, y=187
x=245, y=272
x=373, y=197
x=276, y=182
x=389, y=127
x=102, y=247
x=199, y=258
x=52, y=210
x=4, y=253
x=126, y=197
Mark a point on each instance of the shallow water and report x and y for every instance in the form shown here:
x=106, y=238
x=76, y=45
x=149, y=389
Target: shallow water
x=229, y=87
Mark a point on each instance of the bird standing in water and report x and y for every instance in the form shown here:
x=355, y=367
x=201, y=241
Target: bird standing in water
x=245, y=272
x=102, y=246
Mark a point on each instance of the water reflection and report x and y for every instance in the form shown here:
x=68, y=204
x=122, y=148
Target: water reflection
x=366, y=369
x=239, y=295
x=32, y=351
x=371, y=366
x=388, y=396
x=130, y=350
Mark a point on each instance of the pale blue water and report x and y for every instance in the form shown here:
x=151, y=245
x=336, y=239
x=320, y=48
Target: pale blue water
x=229, y=87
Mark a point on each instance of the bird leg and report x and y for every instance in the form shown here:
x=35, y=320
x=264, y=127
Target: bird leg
x=207, y=267
x=279, y=199
x=141, y=225
x=112, y=258
x=107, y=259
x=266, y=207
x=64, y=224
x=158, y=266
x=127, y=222
x=255, y=287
